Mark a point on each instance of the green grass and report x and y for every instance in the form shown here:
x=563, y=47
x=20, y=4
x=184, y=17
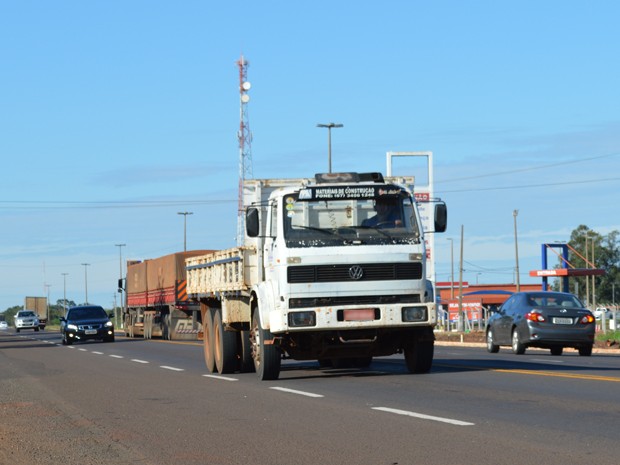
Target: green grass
x=608, y=336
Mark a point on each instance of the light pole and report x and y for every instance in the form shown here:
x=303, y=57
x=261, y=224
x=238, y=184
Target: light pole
x=329, y=127
x=185, y=228
x=86, y=265
x=47, y=311
x=64, y=291
x=514, y=214
x=120, y=287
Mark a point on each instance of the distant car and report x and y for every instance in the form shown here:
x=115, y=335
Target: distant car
x=26, y=319
x=4, y=325
x=550, y=320
x=84, y=323
x=598, y=313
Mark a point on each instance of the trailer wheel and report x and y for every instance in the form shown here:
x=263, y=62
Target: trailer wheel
x=207, y=327
x=225, y=345
x=419, y=356
x=265, y=354
x=244, y=349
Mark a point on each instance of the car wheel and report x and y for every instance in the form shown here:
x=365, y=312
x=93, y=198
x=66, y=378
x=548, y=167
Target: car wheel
x=585, y=351
x=517, y=347
x=491, y=346
x=557, y=350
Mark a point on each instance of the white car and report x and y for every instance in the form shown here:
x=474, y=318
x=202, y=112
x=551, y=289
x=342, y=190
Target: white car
x=26, y=319
x=4, y=325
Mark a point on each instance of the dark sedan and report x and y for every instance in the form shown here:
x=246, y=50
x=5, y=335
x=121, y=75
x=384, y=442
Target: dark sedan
x=84, y=323
x=549, y=320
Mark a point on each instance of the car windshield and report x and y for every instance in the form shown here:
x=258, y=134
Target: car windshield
x=553, y=300
x=86, y=313
x=350, y=221
x=26, y=314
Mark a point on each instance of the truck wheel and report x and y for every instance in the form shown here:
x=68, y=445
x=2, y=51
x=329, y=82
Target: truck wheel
x=208, y=341
x=419, y=356
x=225, y=345
x=266, y=356
x=244, y=348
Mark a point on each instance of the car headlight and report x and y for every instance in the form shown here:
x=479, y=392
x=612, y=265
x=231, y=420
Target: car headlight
x=72, y=327
x=109, y=324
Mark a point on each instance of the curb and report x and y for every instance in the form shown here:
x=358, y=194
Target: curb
x=483, y=346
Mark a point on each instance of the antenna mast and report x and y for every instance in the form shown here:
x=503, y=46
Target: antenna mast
x=245, y=143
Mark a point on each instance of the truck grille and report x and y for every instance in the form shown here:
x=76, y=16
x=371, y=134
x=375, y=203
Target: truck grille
x=355, y=272
x=308, y=302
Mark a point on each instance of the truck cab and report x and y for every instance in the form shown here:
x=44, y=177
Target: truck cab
x=343, y=270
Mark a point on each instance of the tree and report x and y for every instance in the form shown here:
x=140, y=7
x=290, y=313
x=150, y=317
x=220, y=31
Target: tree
x=606, y=256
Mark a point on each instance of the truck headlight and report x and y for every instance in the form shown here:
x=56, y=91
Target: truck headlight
x=302, y=319
x=414, y=314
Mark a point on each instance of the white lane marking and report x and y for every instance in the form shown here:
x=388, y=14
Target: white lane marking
x=223, y=378
x=139, y=361
x=70, y=347
x=424, y=417
x=293, y=391
x=117, y=356
x=171, y=368
x=83, y=350
x=97, y=353
x=546, y=361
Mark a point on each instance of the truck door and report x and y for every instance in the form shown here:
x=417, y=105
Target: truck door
x=270, y=250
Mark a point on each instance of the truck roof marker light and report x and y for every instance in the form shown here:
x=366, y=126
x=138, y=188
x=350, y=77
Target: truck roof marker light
x=415, y=257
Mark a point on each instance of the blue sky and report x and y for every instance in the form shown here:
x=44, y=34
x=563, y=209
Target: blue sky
x=116, y=115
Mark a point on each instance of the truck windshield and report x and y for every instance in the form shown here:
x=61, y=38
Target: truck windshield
x=352, y=221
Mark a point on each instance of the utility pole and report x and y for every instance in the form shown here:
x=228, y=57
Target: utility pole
x=514, y=214
x=461, y=321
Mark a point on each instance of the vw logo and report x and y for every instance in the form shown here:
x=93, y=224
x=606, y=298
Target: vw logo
x=563, y=310
x=356, y=272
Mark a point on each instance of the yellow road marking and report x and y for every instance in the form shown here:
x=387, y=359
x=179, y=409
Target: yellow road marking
x=536, y=373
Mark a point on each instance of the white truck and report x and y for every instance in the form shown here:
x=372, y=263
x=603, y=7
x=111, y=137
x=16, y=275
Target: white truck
x=318, y=278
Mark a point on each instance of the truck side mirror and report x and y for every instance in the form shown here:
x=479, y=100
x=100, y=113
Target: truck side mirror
x=441, y=217
x=252, y=227
x=120, y=285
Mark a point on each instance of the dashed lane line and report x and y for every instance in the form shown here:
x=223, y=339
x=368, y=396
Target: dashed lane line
x=222, y=378
x=422, y=416
x=293, y=391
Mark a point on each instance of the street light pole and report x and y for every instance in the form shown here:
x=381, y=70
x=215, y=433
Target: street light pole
x=451, y=267
x=185, y=228
x=86, y=265
x=120, y=287
x=514, y=214
x=64, y=292
x=329, y=127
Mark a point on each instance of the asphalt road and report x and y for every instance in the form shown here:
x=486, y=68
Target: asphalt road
x=152, y=402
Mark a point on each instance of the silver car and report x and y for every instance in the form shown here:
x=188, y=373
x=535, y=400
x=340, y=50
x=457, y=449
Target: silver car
x=26, y=319
x=550, y=320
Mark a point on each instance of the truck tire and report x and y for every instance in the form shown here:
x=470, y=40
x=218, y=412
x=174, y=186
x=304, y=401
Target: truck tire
x=225, y=345
x=266, y=356
x=244, y=348
x=419, y=356
x=207, y=327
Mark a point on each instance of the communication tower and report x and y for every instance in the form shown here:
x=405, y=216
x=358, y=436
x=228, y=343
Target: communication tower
x=245, y=142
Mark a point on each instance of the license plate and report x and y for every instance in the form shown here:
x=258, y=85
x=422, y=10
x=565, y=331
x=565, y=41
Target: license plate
x=90, y=331
x=359, y=314
x=563, y=321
